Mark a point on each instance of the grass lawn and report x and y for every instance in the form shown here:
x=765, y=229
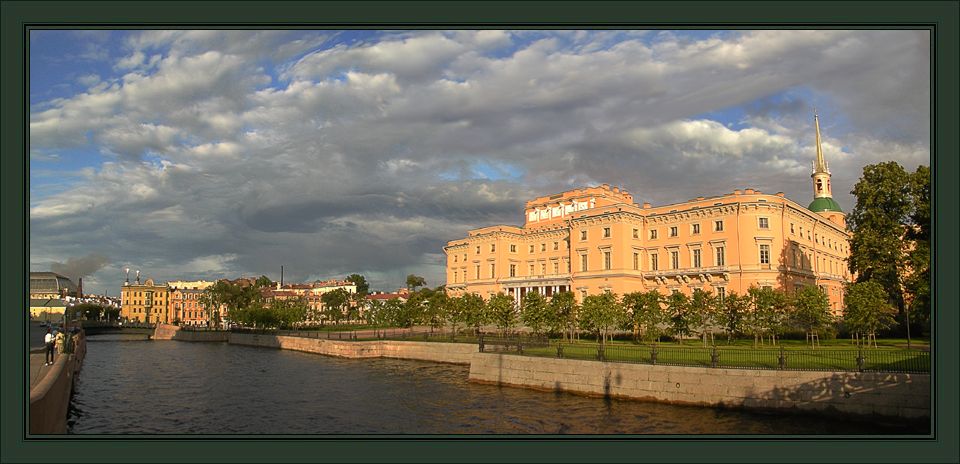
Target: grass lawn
x=742, y=355
x=744, y=343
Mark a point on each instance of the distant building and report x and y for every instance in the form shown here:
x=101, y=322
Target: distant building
x=596, y=239
x=186, y=306
x=49, y=293
x=147, y=302
x=312, y=293
x=190, y=284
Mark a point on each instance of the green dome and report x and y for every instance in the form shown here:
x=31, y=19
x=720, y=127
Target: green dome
x=822, y=204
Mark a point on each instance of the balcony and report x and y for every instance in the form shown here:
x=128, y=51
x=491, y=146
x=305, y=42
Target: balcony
x=686, y=275
x=555, y=279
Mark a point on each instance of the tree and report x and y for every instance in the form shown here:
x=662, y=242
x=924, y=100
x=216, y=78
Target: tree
x=867, y=310
x=438, y=304
x=290, y=312
x=917, y=279
x=89, y=311
x=263, y=282
x=111, y=313
x=414, y=281
x=767, y=315
x=334, y=303
x=702, y=313
x=811, y=310
x=503, y=311
x=473, y=311
x=394, y=313
x=645, y=313
x=878, y=222
x=534, y=312
x=733, y=312
x=601, y=314
x=562, y=311
x=363, y=288
x=678, y=308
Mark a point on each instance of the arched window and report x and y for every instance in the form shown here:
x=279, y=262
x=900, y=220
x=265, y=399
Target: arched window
x=819, y=185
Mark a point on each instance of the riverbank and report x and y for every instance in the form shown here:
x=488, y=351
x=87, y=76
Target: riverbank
x=50, y=391
x=863, y=394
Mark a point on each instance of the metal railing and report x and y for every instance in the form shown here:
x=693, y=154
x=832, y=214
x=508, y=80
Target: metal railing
x=862, y=360
x=511, y=342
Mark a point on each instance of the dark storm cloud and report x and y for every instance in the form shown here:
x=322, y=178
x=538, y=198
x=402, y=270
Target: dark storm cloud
x=371, y=156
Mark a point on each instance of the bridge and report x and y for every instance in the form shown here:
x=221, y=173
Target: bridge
x=115, y=328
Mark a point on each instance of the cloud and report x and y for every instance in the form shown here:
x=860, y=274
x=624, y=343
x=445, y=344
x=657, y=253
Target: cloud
x=82, y=266
x=237, y=152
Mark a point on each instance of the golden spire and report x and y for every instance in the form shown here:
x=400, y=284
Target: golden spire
x=820, y=165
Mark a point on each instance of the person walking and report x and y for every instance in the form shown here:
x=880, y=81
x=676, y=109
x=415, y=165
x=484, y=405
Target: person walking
x=48, y=340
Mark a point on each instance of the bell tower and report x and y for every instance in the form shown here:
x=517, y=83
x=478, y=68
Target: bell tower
x=823, y=201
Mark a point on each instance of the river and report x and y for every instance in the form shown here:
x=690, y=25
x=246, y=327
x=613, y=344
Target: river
x=159, y=387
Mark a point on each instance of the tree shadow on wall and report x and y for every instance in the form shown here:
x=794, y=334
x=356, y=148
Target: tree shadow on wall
x=881, y=398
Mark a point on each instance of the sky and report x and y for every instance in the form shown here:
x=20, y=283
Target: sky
x=204, y=154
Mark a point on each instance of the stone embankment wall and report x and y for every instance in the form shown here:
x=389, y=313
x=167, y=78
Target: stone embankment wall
x=456, y=353
x=50, y=398
x=173, y=332
x=861, y=393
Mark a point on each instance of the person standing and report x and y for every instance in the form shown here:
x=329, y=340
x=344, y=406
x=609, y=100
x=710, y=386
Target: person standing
x=58, y=342
x=48, y=340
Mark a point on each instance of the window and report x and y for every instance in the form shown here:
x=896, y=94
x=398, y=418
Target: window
x=583, y=263
x=478, y=249
x=764, y=223
x=556, y=245
x=455, y=276
x=653, y=234
x=606, y=260
x=464, y=257
x=674, y=260
x=721, y=293
x=493, y=271
x=583, y=235
x=636, y=261
x=808, y=235
x=556, y=267
x=636, y=233
x=696, y=258
x=718, y=226
x=695, y=229
x=543, y=268
x=531, y=269
x=673, y=231
x=720, y=261
x=606, y=232
x=653, y=262
x=454, y=258
x=764, y=254
x=543, y=247
x=513, y=248
x=478, y=272
x=791, y=228
x=493, y=247
x=531, y=248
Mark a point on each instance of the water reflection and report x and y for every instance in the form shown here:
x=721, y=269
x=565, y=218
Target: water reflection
x=152, y=387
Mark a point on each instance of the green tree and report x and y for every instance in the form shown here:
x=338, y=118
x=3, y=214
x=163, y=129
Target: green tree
x=646, y=314
x=867, y=310
x=363, y=288
x=414, y=281
x=703, y=313
x=290, y=312
x=473, y=311
x=111, y=314
x=503, y=311
x=811, y=310
x=601, y=314
x=768, y=313
x=534, y=312
x=89, y=311
x=263, y=282
x=678, y=309
x=437, y=307
x=878, y=222
x=394, y=313
x=733, y=311
x=335, y=303
x=917, y=278
x=562, y=313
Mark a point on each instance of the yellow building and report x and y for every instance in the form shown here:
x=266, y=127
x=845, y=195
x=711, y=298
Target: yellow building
x=597, y=239
x=147, y=302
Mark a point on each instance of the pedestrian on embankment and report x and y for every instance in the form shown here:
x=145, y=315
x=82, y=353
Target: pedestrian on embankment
x=58, y=341
x=48, y=341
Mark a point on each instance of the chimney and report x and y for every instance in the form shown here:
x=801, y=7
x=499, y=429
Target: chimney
x=80, y=287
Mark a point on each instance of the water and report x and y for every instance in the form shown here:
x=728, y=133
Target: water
x=156, y=387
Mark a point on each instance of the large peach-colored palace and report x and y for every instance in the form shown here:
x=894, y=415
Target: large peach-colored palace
x=597, y=239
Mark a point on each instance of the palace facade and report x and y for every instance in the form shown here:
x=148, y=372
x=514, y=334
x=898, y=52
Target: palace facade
x=598, y=239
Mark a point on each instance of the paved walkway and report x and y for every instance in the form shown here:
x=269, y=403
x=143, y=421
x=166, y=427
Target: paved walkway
x=37, y=369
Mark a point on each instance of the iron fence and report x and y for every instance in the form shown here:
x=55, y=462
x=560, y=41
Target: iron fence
x=863, y=359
